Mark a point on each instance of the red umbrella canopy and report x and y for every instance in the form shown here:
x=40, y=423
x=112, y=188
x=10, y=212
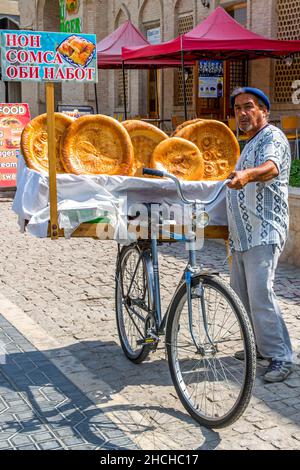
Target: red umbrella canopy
x=109, y=50
x=219, y=36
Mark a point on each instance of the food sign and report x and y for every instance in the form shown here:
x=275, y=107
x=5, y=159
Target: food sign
x=13, y=119
x=48, y=57
x=71, y=12
x=210, y=79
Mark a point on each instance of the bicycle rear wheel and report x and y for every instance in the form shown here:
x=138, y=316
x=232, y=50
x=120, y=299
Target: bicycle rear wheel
x=134, y=301
x=213, y=386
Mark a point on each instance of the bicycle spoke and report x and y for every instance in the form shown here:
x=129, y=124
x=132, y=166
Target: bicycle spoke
x=133, y=309
x=209, y=380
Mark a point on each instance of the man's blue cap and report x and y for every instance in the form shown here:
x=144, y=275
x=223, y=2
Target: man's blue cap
x=253, y=91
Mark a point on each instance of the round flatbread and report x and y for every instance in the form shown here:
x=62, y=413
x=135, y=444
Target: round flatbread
x=185, y=124
x=34, y=142
x=218, y=147
x=179, y=157
x=95, y=145
x=144, y=137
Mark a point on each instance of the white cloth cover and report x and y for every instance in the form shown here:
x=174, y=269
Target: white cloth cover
x=84, y=198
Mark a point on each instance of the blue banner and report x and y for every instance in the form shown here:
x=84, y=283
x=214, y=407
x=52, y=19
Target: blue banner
x=48, y=57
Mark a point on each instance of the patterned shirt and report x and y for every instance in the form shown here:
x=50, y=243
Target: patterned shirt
x=258, y=214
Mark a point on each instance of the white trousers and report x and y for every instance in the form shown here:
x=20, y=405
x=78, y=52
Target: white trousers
x=252, y=278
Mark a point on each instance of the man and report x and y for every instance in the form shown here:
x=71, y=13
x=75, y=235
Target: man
x=258, y=217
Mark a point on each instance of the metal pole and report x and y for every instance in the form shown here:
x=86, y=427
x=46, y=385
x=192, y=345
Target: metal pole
x=225, y=65
x=52, y=161
x=96, y=98
x=124, y=90
x=156, y=94
x=184, y=87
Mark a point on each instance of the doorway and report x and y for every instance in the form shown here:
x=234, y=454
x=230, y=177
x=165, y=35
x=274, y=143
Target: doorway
x=153, y=98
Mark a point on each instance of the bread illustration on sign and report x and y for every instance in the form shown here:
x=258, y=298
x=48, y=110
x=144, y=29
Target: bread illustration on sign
x=95, y=145
x=77, y=50
x=144, y=137
x=218, y=147
x=34, y=142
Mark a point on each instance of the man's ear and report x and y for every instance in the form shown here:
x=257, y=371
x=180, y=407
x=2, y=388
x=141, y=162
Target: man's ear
x=265, y=112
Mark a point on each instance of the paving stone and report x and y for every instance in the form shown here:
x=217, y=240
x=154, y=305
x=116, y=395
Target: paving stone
x=43, y=437
x=21, y=440
x=265, y=424
x=80, y=304
x=5, y=445
x=50, y=445
x=29, y=447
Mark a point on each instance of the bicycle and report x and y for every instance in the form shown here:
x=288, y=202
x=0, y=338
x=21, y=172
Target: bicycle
x=205, y=323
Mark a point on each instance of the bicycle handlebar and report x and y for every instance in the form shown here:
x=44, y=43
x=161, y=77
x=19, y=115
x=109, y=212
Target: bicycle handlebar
x=165, y=174
x=150, y=172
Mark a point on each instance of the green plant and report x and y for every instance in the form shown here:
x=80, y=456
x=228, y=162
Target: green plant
x=295, y=174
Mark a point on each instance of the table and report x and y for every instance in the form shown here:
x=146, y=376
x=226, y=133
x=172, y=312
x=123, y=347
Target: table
x=160, y=122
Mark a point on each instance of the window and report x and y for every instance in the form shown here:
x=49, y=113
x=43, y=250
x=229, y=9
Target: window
x=185, y=24
x=238, y=68
x=239, y=13
x=288, y=28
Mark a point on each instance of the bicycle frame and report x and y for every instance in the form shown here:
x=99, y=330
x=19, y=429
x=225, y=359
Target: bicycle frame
x=187, y=276
x=190, y=271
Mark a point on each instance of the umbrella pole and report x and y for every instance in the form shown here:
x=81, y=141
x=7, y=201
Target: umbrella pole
x=184, y=87
x=124, y=91
x=96, y=99
x=156, y=93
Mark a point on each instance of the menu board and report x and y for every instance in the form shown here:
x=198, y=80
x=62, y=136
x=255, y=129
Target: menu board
x=75, y=111
x=48, y=57
x=13, y=119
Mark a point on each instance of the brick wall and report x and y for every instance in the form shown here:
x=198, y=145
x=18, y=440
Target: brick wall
x=103, y=16
x=291, y=253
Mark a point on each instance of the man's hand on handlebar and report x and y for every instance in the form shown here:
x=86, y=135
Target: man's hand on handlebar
x=239, y=179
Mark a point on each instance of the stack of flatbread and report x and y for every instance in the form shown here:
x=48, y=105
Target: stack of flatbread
x=96, y=144
x=90, y=145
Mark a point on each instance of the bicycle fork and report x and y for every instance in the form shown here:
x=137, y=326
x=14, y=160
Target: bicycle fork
x=200, y=294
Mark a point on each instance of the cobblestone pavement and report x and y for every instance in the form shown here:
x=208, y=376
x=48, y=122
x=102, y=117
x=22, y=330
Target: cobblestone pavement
x=60, y=296
x=40, y=409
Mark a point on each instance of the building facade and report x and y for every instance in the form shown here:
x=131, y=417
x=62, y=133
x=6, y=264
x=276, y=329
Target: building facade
x=148, y=95
x=163, y=20
x=9, y=19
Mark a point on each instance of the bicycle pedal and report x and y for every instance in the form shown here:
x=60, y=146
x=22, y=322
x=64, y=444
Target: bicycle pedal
x=148, y=342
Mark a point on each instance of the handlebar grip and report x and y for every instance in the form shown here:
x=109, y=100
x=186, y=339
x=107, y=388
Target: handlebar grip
x=150, y=172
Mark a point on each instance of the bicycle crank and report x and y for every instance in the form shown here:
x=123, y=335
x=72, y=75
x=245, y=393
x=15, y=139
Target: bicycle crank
x=151, y=338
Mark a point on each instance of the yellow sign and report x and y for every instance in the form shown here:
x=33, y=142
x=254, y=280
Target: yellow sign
x=71, y=15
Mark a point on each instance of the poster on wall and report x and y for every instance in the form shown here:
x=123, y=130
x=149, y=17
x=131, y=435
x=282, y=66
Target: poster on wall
x=48, y=57
x=153, y=36
x=75, y=111
x=13, y=119
x=71, y=15
x=211, y=79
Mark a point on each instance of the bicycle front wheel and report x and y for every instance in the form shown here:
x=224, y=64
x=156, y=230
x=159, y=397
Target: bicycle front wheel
x=213, y=386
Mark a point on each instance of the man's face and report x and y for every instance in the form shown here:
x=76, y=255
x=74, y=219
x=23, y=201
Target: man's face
x=250, y=117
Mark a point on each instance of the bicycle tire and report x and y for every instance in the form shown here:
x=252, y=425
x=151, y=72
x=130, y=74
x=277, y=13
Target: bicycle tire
x=134, y=352
x=200, y=373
